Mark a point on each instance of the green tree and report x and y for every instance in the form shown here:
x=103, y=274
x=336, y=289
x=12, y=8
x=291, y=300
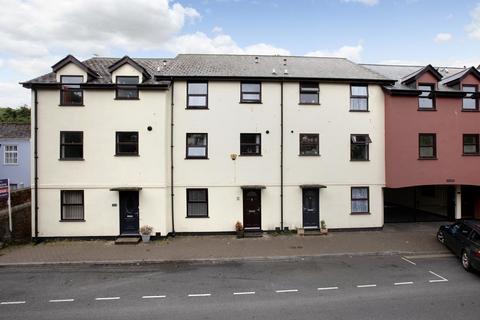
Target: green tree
x=17, y=115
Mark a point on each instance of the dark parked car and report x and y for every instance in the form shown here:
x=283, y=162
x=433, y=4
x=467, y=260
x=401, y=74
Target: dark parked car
x=463, y=238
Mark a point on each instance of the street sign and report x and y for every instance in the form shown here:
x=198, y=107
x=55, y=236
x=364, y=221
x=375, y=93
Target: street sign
x=4, y=190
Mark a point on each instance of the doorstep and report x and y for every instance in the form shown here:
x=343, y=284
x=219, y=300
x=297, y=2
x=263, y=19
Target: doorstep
x=127, y=240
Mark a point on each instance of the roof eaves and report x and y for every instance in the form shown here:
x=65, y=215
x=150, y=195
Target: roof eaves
x=130, y=61
x=71, y=59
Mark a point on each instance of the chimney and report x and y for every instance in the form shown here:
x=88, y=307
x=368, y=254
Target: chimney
x=285, y=71
x=273, y=71
x=164, y=63
x=284, y=61
x=256, y=59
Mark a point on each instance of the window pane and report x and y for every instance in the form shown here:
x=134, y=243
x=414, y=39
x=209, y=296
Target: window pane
x=197, y=139
x=250, y=87
x=470, y=149
x=469, y=139
x=72, y=137
x=128, y=148
x=425, y=103
x=309, y=98
x=197, y=195
x=359, y=206
x=469, y=89
x=127, y=80
x=71, y=96
x=251, y=96
x=197, y=101
x=359, y=151
x=127, y=136
x=197, y=209
x=197, y=151
x=359, y=193
x=469, y=103
x=426, y=152
x=426, y=140
x=250, y=138
x=309, y=87
x=127, y=93
x=425, y=88
x=75, y=151
x=197, y=88
x=359, y=104
x=359, y=90
x=72, y=79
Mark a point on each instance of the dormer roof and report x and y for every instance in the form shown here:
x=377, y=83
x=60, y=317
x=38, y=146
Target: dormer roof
x=71, y=59
x=457, y=78
x=417, y=74
x=131, y=62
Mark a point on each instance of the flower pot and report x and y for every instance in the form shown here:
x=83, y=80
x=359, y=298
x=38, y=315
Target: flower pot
x=145, y=238
x=323, y=231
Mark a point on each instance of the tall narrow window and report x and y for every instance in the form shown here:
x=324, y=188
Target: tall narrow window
x=197, y=146
x=309, y=93
x=427, y=146
x=360, y=200
x=127, y=143
x=250, y=144
x=197, y=95
x=197, y=203
x=309, y=144
x=71, y=145
x=358, y=98
x=359, y=147
x=251, y=92
x=10, y=154
x=127, y=87
x=72, y=205
x=470, y=101
x=70, y=93
x=470, y=144
x=426, y=100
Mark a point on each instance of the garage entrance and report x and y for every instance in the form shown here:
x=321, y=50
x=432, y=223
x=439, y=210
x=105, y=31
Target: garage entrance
x=419, y=204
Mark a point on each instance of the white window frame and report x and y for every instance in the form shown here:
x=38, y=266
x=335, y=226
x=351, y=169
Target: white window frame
x=13, y=154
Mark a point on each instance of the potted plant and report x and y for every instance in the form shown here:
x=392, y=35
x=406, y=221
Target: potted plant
x=146, y=231
x=323, y=227
x=239, y=229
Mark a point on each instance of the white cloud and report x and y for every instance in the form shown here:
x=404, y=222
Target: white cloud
x=199, y=42
x=443, y=37
x=217, y=30
x=350, y=52
x=473, y=29
x=365, y=2
x=13, y=95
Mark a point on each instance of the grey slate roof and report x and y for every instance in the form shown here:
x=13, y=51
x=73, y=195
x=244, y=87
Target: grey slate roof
x=14, y=131
x=245, y=66
x=399, y=72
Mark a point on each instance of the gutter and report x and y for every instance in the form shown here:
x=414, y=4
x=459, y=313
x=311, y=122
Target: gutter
x=35, y=160
x=172, y=194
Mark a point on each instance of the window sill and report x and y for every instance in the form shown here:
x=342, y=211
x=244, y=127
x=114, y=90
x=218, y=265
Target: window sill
x=309, y=104
x=71, y=159
x=432, y=158
x=196, y=158
x=126, y=155
x=359, y=110
x=71, y=105
x=10, y=164
x=72, y=220
x=309, y=155
x=134, y=99
x=197, y=108
x=470, y=154
x=360, y=213
x=470, y=110
x=250, y=102
x=250, y=155
x=425, y=109
x=199, y=217
x=359, y=160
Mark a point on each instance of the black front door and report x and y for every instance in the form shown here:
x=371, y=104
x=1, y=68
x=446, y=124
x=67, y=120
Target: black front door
x=252, y=213
x=311, y=210
x=129, y=212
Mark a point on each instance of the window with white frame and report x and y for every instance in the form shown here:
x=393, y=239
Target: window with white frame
x=11, y=154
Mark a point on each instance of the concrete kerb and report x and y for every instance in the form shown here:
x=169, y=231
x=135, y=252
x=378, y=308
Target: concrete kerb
x=409, y=254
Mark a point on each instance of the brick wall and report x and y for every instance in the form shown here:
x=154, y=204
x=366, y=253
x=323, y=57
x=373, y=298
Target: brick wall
x=21, y=218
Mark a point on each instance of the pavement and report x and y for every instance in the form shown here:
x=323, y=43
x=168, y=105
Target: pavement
x=334, y=287
x=405, y=239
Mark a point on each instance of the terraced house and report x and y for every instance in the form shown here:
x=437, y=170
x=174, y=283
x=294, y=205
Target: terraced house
x=196, y=143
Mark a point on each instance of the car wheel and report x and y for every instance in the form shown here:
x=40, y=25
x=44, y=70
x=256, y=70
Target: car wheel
x=466, y=261
x=441, y=237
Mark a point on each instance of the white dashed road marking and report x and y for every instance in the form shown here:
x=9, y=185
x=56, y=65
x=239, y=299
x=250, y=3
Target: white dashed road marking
x=441, y=279
x=107, y=298
x=61, y=300
x=200, y=295
x=12, y=302
x=327, y=288
x=411, y=262
x=153, y=297
x=243, y=293
x=366, y=285
x=286, y=291
x=403, y=283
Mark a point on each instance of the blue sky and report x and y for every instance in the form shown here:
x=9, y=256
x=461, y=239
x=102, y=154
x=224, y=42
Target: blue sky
x=34, y=34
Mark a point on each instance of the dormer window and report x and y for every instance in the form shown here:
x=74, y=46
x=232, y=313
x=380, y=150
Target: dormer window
x=127, y=88
x=426, y=100
x=70, y=93
x=470, y=101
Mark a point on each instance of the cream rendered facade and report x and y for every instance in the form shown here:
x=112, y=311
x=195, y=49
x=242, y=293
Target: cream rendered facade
x=222, y=173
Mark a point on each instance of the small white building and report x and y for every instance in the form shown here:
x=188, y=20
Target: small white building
x=196, y=143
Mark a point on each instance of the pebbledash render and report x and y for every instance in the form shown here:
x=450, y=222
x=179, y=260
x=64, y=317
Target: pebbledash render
x=197, y=143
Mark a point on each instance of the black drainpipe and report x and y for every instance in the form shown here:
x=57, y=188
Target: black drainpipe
x=35, y=160
x=281, y=155
x=172, y=194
